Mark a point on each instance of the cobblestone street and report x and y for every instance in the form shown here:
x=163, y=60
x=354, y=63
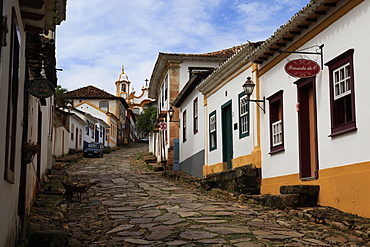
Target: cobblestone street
x=133, y=206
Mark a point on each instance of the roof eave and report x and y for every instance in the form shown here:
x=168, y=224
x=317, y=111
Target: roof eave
x=302, y=15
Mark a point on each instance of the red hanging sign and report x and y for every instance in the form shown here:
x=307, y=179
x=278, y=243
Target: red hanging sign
x=302, y=68
x=162, y=125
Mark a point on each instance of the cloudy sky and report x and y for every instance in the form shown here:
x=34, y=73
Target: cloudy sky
x=99, y=36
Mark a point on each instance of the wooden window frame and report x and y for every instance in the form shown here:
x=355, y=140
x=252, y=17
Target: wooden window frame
x=80, y=138
x=184, y=126
x=213, y=132
x=72, y=131
x=243, y=116
x=195, y=115
x=13, y=93
x=342, y=126
x=276, y=115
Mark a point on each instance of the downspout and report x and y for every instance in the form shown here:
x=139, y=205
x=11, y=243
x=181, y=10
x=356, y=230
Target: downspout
x=257, y=149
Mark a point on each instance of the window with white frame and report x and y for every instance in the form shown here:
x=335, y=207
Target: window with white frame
x=243, y=115
x=342, y=95
x=342, y=81
x=276, y=122
x=195, y=115
x=212, y=131
x=277, y=133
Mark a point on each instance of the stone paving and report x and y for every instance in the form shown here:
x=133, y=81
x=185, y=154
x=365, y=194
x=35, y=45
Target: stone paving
x=132, y=206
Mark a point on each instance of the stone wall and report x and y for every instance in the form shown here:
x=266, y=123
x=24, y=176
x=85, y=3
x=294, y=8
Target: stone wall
x=243, y=180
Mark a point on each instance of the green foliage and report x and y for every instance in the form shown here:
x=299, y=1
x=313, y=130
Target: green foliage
x=61, y=98
x=146, y=119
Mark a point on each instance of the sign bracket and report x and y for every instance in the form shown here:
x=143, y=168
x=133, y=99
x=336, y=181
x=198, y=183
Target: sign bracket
x=321, y=53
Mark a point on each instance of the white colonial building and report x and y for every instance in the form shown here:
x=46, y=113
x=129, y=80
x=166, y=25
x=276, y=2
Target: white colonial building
x=231, y=124
x=315, y=130
x=172, y=75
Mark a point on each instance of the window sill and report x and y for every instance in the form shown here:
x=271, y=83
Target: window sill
x=275, y=150
x=342, y=131
x=308, y=179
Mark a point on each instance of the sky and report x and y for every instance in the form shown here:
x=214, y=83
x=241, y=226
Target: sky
x=100, y=36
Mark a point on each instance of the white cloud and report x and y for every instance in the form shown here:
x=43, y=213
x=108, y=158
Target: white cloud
x=99, y=36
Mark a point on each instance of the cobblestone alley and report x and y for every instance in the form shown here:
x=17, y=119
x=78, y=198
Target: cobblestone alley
x=132, y=206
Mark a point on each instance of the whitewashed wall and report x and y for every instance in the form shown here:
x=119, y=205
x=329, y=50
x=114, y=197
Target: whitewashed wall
x=347, y=33
x=230, y=91
x=194, y=142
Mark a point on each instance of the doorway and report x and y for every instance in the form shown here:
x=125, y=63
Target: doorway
x=307, y=129
x=227, y=134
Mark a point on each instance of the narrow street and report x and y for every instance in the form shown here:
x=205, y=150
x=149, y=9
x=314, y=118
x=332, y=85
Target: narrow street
x=133, y=206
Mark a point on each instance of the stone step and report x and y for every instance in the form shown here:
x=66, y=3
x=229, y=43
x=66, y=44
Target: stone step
x=149, y=159
x=283, y=201
x=311, y=190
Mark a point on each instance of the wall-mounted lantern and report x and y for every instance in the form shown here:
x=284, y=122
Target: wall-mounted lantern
x=248, y=88
x=171, y=112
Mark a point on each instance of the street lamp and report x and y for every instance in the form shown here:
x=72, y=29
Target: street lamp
x=248, y=88
x=171, y=112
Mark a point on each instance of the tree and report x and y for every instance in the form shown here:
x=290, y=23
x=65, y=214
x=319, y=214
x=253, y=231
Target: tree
x=146, y=119
x=61, y=98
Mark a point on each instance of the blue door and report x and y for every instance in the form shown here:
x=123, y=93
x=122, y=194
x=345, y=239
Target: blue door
x=176, y=155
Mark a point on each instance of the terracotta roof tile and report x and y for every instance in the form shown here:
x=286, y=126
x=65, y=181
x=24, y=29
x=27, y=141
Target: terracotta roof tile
x=222, y=53
x=90, y=92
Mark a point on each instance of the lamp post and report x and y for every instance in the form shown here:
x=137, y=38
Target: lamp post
x=248, y=88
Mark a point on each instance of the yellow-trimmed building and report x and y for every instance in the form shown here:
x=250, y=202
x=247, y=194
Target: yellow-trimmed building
x=307, y=128
x=315, y=130
x=105, y=106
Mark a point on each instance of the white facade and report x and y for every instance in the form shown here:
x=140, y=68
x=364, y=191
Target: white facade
x=231, y=130
x=76, y=132
x=89, y=127
x=60, y=143
x=25, y=119
x=170, y=75
x=229, y=93
x=324, y=138
x=191, y=155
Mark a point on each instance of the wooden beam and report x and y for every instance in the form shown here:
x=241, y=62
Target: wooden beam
x=330, y=4
x=295, y=32
x=320, y=12
x=311, y=19
x=281, y=44
x=288, y=39
x=303, y=26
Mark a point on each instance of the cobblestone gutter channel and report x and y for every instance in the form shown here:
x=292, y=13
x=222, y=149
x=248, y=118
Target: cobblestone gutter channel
x=134, y=206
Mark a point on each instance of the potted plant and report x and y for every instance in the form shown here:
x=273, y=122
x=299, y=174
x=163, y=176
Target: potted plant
x=29, y=149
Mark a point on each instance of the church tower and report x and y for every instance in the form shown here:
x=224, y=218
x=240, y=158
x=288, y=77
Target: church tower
x=135, y=102
x=123, y=85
